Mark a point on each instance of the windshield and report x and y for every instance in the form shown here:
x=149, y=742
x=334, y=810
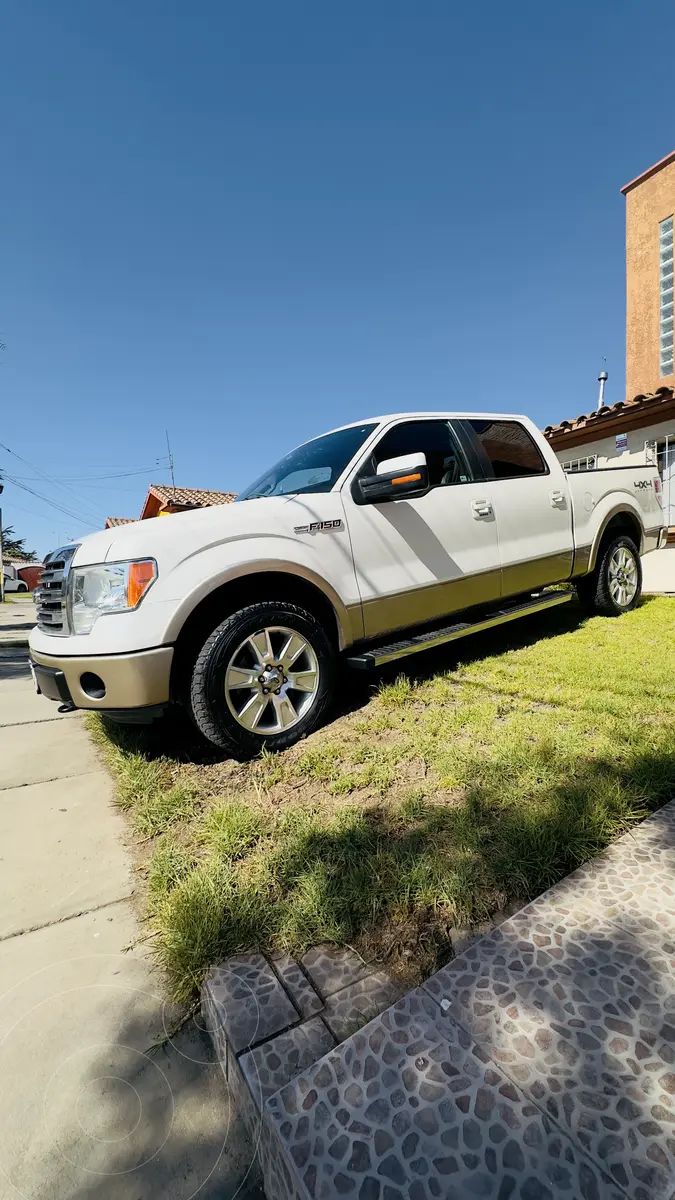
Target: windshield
x=313, y=467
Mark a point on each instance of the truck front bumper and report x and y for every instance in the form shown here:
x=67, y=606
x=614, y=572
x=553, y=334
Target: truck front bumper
x=133, y=684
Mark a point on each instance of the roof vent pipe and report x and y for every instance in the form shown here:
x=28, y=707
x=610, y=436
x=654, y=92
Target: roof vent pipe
x=602, y=380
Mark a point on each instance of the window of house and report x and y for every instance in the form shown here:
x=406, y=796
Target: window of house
x=436, y=440
x=588, y=463
x=510, y=449
x=666, y=296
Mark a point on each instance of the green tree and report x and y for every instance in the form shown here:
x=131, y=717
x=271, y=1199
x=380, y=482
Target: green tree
x=15, y=547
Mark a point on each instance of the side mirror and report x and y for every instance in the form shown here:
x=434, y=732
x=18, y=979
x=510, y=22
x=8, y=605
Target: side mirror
x=396, y=479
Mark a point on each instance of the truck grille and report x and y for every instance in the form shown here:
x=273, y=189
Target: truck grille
x=50, y=597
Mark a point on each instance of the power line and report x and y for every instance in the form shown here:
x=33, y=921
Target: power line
x=92, y=478
x=91, y=506
x=36, y=516
x=75, y=516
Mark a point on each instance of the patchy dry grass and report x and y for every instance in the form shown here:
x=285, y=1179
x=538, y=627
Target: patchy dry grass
x=441, y=799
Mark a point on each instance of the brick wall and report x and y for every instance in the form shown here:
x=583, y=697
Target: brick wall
x=649, y=201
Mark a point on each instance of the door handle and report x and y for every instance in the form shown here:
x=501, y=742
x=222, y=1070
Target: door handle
x=557, y=497
x=481, y=508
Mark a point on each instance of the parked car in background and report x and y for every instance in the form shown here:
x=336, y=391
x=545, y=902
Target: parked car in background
x=378, y=540
x=11, y=580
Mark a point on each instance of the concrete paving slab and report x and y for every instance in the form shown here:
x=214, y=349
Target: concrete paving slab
x=47, y=750
x=87, y=1112
x=13, y=665
x=92, y=1112
x=20, y=705
x=62, y=851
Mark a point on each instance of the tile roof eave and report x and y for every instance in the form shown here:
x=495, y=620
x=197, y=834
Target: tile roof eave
x=616, y=411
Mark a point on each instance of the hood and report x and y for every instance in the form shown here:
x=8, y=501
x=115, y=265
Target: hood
x=175, y=537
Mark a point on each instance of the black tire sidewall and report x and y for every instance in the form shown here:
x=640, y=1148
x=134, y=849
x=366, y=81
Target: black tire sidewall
x=208, y=679
x=606, y=601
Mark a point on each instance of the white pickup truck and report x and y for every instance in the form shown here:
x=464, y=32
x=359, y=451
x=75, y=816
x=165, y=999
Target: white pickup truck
x=372, y=542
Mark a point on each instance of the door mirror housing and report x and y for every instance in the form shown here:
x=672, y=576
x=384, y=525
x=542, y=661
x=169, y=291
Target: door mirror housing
x=399, y=478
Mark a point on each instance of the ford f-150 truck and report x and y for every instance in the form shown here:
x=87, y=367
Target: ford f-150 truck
x=380, y=539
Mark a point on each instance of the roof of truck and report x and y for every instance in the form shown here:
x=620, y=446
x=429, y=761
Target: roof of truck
x=459, y=415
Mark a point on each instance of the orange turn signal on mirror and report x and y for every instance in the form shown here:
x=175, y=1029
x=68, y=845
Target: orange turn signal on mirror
x=407, y=479
x=141, y=575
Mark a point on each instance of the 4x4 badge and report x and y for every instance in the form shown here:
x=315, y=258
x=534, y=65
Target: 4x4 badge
x=319, y=526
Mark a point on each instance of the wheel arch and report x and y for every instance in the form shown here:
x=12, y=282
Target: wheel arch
x=267, y=583
x=620, y=520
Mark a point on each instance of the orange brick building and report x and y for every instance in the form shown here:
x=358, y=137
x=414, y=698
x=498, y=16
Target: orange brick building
x=650, y=208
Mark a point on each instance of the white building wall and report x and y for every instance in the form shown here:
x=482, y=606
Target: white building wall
x=609, y=456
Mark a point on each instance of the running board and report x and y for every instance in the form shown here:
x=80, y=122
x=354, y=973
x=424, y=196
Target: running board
x=437, y=637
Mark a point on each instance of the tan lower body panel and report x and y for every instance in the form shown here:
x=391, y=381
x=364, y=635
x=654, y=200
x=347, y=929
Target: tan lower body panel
x=130, y=680
x=414, y=607
x=417, y=605
x=535, y=573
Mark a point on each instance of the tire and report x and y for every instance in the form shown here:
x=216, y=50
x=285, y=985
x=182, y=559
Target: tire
x=600, y=592
x=219, y=690
x=23, y=587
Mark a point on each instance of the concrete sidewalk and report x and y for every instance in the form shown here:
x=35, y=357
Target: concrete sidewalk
x=86, y=1111
x=17, y=618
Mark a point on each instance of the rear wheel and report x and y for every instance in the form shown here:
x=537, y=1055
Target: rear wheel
x=615, y=586
x=264, y=677
x=23, y=587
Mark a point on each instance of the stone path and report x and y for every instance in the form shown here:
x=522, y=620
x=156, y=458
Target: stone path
x=86, y=1112
x=539, y=1064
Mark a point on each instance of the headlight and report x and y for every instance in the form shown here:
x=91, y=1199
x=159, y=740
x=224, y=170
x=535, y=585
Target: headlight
x=107, y=588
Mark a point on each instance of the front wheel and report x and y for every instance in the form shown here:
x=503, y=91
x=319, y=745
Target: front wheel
x=615, y=586
x=264, y=677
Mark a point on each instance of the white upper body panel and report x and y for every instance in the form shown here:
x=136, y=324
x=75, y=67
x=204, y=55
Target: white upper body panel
x=366, y=553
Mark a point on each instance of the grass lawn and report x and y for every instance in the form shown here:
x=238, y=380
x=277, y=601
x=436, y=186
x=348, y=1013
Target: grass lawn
x=444, y=795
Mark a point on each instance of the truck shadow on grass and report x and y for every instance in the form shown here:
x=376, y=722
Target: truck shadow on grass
x=512, y=803
x=401, y=883
x=176, y=736
x=593, y=1023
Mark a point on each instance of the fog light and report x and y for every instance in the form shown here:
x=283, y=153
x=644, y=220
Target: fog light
x=92, y=685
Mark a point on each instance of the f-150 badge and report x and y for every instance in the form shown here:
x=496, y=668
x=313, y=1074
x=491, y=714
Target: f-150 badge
x=319, y=526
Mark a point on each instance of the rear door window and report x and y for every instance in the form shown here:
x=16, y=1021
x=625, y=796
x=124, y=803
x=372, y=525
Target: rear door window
x=510, y=449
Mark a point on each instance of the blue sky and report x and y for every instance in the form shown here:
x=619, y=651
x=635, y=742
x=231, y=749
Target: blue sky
x=248, y=223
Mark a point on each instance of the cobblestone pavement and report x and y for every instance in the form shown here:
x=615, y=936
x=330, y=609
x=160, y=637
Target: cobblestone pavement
x=540, y=1063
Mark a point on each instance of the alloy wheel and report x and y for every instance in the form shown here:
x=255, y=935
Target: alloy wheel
x=271, y=680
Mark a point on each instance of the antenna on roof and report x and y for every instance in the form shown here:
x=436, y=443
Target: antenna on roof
x=602, y=380
x=173, y=481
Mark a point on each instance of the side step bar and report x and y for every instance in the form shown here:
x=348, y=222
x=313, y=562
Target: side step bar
x=437, y=637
